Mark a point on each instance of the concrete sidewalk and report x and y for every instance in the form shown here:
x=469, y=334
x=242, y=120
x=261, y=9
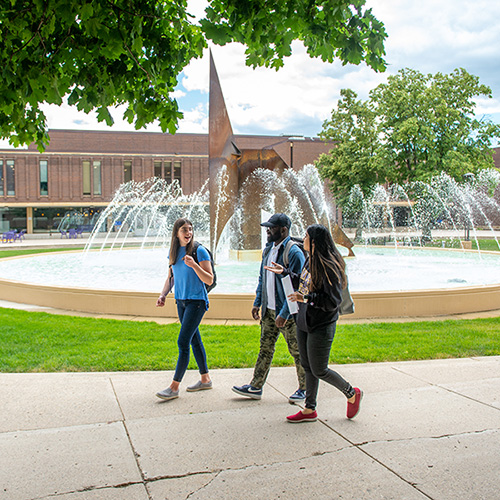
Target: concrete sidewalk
x=427, y=430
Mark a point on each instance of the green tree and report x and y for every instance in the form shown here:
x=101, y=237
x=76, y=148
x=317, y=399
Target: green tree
x=420, y=125
x=428, y=125
x=355, y=160
x=103, y=53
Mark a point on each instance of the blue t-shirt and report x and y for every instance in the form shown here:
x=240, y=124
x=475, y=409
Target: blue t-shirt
x=187, y=285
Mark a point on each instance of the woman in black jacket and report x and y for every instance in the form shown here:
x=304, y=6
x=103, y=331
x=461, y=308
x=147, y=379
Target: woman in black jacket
x=319, y=294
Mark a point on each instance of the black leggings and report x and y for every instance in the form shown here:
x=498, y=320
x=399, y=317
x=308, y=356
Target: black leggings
x=314, y=348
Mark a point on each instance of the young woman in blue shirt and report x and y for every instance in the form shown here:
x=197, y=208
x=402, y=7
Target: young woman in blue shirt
x=190, y=278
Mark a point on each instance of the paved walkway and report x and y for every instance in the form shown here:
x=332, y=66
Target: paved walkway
x=427, y=430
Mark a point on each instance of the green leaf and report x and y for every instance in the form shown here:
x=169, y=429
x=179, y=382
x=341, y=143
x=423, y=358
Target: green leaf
x=86, y=12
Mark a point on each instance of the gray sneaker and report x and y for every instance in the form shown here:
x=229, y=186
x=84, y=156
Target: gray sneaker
x=199, y=386
x=167, y=394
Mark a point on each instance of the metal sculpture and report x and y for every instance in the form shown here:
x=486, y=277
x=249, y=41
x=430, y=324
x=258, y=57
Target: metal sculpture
x=231, y=166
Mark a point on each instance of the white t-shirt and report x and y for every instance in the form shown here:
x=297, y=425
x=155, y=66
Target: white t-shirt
x=270, y=278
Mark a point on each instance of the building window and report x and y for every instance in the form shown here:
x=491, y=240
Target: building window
x=163, y=170
x=176, y=174
x=86, y=177
x=12, y=217
x=48, y=219
x=167, y=171
x=1, y=178
x=92, y=183
x=10, y=178
x=97, y=177
x=44, y=178
x=157, y=169
x=127, y=171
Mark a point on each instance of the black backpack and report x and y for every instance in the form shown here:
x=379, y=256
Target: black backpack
x=196, y=244
x=292, y=241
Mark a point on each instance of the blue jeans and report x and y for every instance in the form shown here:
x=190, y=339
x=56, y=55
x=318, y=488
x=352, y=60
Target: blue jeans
x=190, y=314
x=314, y=348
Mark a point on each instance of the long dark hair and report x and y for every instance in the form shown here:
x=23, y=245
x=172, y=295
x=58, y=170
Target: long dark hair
x=324, y=258
x=175, y=244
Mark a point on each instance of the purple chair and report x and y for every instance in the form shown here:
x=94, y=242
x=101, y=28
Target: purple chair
x=72, y=233
x=8, y=237
x=19, y=236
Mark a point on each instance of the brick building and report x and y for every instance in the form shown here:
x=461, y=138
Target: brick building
x=80, y=171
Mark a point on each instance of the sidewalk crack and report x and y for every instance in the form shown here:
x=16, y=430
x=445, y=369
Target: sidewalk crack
x=132, y=447
x=216, y=475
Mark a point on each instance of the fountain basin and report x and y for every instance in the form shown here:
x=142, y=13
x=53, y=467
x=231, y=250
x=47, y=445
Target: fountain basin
x=414, y=303
x=450, y=297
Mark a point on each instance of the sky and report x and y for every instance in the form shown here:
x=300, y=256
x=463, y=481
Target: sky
x=426, y=35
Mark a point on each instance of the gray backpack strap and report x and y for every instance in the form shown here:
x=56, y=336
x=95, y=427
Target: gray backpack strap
x=286, y=252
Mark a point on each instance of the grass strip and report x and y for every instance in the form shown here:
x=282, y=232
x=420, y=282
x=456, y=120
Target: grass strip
x=486, y=245
x=15, y=253
x=42, y=342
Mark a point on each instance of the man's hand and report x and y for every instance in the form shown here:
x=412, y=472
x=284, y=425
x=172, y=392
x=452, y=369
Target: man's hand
x=255, y=313
x=161, y=301
x=280, y=322
x=275, y=268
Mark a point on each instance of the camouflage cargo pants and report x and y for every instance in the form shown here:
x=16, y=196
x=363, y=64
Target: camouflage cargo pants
x=269, y=334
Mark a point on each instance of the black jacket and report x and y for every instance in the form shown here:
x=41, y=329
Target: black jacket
x=323, y=305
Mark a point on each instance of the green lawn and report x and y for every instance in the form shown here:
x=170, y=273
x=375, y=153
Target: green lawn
x=41, y=342
x=489, y=245
x=15, y=253
x=486, y=245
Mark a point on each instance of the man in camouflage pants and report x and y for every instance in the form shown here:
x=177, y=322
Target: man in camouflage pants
x=270, y=297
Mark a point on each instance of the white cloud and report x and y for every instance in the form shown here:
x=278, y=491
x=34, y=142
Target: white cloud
x=488, y=107
x=177, y=94
x=195, y=121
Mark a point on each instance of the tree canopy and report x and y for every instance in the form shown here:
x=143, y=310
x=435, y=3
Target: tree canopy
x=411, y=128
x=103, y=53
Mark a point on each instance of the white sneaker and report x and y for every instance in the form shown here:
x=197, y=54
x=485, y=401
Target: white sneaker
x=167, y=394
x=199, y=386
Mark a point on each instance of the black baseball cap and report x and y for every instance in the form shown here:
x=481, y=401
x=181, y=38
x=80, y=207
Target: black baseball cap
x=280, y=220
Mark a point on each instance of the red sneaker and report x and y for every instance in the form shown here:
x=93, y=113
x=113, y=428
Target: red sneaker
x=353, y=408
x=303, y=417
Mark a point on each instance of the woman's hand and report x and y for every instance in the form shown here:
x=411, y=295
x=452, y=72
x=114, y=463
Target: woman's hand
x=296, y=297
x=275, y=268
x=189, y=261
x=203, y=270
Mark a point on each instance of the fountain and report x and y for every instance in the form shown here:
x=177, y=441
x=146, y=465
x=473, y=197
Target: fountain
x=409, y=215
x=121, y=272
x=125, y=261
